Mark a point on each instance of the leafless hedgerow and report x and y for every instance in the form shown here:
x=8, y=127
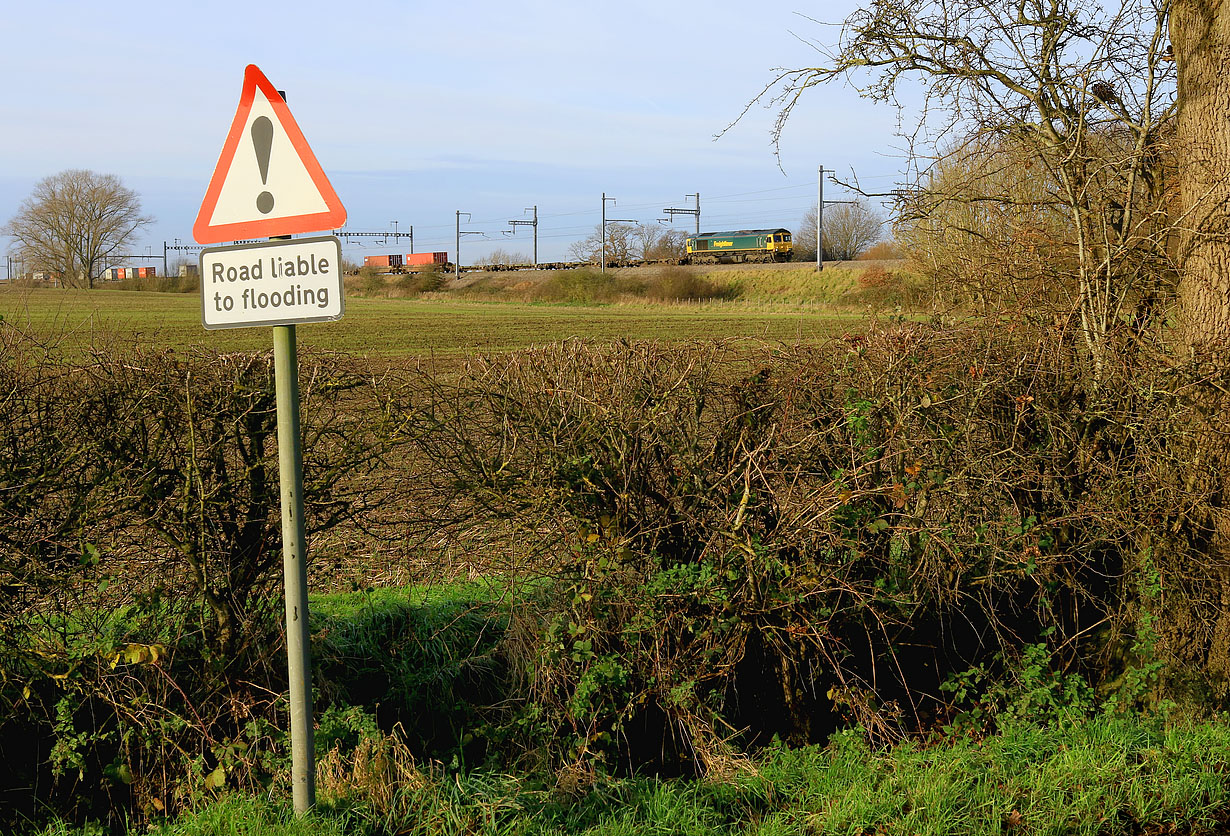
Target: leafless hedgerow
x=140, y=553
x=774, y=540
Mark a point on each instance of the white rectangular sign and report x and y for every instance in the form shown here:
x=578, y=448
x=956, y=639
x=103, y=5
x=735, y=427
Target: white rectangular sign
x=272, y=283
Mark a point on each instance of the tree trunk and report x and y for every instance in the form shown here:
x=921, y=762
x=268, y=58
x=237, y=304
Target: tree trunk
x=1200, y=36
x=1200, y=33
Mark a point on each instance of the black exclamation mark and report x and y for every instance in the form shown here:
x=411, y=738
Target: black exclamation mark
x=262, y=139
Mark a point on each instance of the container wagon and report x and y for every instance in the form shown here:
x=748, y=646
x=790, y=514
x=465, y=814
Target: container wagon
x=424, y=261
x=414, y=262
x=390, y=261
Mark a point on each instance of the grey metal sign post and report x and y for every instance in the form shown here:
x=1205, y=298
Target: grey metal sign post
x=294, y=566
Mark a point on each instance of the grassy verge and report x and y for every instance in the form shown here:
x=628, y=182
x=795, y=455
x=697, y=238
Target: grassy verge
x=841, y=285
x=1106, y=775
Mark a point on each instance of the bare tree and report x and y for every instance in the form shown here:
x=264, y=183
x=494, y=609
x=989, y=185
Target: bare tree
x=849, y=229
x=500, y=257
x=1087, y=90
x=630, y=242
x=75, y=223
x=652, y=242
x=621, y=244
x=805, y=236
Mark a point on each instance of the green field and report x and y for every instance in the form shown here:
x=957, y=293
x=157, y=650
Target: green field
x=386, y=328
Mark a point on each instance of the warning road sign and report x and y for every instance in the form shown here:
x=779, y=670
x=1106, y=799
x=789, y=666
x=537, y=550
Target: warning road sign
x=267, y=181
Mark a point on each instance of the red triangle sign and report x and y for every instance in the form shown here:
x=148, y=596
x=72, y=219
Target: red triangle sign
x=267, y=181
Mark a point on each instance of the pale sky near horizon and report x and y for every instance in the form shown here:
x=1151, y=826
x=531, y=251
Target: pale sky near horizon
x=416, y=110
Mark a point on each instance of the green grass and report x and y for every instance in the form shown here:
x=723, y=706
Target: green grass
x=339, y=605
x=232, y=816
x=775, y=286
x=419, y=657
x=387, y=328
x=794, y=284
x=1104, y=776
x=238, y=816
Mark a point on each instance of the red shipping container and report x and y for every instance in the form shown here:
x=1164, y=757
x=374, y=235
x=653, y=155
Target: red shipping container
x=382, y=261
x=427, y=258
x=123, y=271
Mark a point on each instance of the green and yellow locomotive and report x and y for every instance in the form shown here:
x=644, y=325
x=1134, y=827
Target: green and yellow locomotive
x=739, y=246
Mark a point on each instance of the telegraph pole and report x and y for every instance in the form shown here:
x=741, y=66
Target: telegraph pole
x=696, y=211
x=534, y=224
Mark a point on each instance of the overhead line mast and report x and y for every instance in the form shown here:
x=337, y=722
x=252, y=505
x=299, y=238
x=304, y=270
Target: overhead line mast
x=605, y=221
x=534, y=224
x=385, y=236
x=696, y=211
x=460, y=232
x=820, y=217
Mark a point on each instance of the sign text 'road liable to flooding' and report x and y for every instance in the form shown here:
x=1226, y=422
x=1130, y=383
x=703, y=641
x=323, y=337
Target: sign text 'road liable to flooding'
x=272, y=283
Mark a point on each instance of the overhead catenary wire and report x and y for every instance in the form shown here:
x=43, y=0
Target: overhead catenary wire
x=773, y=206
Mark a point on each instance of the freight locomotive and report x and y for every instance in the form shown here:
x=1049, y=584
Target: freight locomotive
x=739, y=246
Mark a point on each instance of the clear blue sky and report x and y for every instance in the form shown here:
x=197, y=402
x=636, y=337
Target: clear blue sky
x=417, y=109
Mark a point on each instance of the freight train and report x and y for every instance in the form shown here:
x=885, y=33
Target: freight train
x=117, y=274
x=744, y=245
